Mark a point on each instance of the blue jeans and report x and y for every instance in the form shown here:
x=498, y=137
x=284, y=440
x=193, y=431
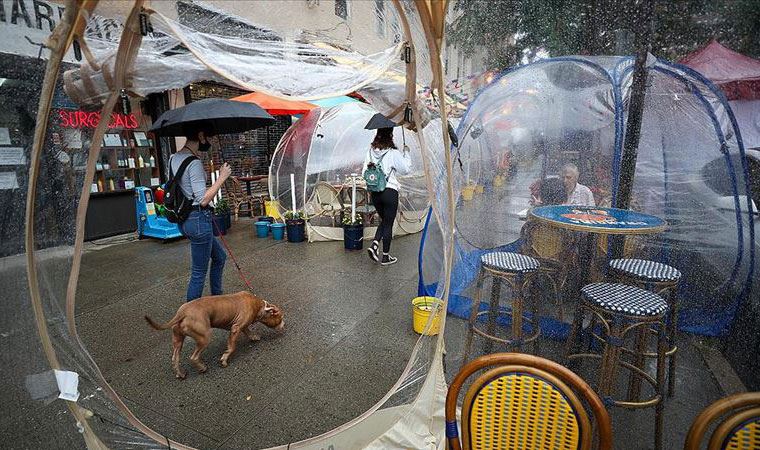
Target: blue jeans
x=203, y=246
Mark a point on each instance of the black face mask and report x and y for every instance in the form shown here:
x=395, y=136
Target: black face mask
x=204, y=146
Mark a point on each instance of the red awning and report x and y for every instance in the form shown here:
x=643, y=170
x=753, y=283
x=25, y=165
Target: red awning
x=738, y=76
x=275, y=105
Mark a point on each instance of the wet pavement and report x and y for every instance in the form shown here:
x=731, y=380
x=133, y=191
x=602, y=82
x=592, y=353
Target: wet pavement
x=348, y=337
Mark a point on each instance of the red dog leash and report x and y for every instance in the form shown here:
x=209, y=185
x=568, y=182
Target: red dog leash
x=229, y=252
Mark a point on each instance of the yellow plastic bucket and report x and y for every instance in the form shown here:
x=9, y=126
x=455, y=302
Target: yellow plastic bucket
x=468, y=192
x=272, y=208
x=479, y=188
x=422, y=307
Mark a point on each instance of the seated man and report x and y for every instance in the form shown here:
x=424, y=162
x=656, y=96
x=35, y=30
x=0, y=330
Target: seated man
x=551, y=191
x=552, y=246
x=577, y=194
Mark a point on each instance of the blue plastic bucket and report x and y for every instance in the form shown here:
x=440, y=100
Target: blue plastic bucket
x=278, y=231
x=262, y=229
x=267, y=219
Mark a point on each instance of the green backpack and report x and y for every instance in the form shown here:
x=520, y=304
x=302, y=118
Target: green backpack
x=374, y=175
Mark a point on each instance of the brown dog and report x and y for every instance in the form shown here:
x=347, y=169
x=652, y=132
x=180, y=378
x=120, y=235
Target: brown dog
x=233, y=312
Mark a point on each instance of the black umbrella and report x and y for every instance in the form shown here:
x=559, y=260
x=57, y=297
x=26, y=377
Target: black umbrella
x=379, y=121
x=212, y=115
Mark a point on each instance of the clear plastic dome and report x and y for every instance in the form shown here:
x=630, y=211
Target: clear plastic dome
x=325, y=151
x=291, y=56
x=520, y=131
x=530, y=122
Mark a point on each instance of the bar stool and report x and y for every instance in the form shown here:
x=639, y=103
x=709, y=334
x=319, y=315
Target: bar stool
x=623, y=310
x=517, y=270
x=661, y=279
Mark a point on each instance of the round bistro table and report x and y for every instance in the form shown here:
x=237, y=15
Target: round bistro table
x=593, y=220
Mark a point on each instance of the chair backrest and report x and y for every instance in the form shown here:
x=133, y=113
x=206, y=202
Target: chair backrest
x=361, y=196
x=738, y=424
x=326, y=194
x=632, y=245
x=545, y=241
x=237, y=186
x=524, y=401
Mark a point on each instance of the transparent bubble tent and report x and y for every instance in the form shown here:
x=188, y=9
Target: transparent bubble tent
x=519, y=129
x=117, y=60
x=690, y=170
x=324, y=150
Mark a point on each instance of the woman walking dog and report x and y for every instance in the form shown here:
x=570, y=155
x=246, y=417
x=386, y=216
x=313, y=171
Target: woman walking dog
x=204, y=247
x=384, y=161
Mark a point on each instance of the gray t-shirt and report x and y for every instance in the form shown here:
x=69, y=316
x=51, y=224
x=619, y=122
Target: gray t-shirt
x=193, y=181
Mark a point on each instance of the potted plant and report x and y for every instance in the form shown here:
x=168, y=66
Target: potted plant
x=221, y=217
x=295, y=222
x=353, y=232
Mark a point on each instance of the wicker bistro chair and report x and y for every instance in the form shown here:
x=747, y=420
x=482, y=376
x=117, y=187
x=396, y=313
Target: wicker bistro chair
x=738, y=424
x=524, y=402
x=326, y=196
x=632, y=246
x=260, y=194
x=661, y=279
x=555, y=250
x=238, y=196
x=518, y=271
x=363, y=204
x=622, y=311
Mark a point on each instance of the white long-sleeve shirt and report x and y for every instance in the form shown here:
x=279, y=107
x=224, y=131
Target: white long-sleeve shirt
x=394, y=162
x=581, y=196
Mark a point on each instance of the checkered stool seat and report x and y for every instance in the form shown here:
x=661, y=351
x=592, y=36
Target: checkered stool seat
x=624, y=299
x=645, y=269
x=509, y=262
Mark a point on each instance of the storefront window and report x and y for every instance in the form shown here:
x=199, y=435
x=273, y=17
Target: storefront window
x=20, y=78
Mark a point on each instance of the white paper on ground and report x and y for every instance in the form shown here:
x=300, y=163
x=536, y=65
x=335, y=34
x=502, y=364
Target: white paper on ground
x=68, y=384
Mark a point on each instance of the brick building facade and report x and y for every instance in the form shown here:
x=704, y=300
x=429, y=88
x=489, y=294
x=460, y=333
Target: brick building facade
x=248, y=153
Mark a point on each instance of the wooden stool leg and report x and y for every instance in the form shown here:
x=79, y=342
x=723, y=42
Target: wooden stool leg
x=557, y=297
x=634, y=379
x=473, y=316
x=610, y=359
x=591, y=328
x=672, y=330
x=662, y=348
x=536, y=314
x=517, y=312
x=493, y=310
x=575, y=332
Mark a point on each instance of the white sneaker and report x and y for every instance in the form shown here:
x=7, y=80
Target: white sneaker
x=372, y=250
x=388, y=260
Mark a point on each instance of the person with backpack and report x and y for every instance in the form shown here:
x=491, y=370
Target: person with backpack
x=383, y=162
x=193, y=213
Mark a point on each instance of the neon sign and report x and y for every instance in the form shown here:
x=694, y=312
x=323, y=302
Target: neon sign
x=82, y=119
